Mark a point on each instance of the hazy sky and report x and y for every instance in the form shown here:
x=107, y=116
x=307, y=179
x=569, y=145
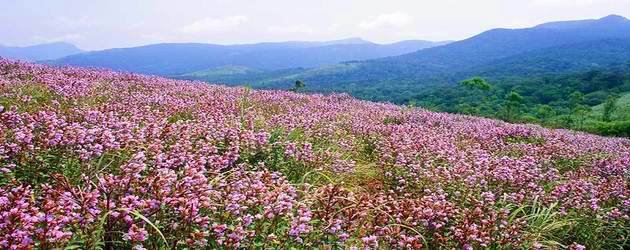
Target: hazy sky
x=98, y=24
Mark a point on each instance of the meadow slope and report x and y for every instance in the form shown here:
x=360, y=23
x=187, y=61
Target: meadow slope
x=99, y=159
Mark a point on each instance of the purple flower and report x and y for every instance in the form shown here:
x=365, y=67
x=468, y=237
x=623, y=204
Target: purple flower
x=136, y=234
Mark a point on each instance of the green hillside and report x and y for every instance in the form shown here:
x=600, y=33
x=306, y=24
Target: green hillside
x=224, y=71
x=621, y=113
x=571, y=100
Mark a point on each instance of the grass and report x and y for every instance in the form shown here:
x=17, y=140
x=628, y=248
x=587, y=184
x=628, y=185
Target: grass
x=545, y=224
x=27, y=97
x=599, y=233
x=181, y=116
x=535, y=140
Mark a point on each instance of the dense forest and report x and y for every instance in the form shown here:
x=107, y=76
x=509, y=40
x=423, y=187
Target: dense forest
x=596, y=100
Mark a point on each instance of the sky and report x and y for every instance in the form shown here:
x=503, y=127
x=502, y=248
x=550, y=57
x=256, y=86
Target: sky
x=102, y=24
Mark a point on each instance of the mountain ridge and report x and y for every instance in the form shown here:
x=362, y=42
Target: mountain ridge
x=182, y=58
x=38, y=52
x=426, y=65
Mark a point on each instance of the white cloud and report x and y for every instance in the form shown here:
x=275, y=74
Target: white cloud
x=62, y=38
x=214, y=24
x=105, y=24
x=73, y=23
x=560, y=3
x=293, y=29
x=396, y=19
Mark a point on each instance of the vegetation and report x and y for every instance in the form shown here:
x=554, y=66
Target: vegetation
x=299, y=85
x=102, y=160
x=610, y=106
x=565, y=86
x=595, y=100
x=587, y=101
x=562, y=74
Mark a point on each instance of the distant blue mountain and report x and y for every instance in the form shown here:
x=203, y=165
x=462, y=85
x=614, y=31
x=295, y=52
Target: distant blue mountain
x=494, y=52
x=501, y=43
x=568, y=58
x=181, y=58
x=612, y=23
x=39, y=52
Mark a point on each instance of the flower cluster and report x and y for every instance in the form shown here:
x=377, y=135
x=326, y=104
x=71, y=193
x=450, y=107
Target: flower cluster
x=93, y=158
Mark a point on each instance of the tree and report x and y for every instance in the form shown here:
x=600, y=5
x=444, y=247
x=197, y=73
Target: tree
x=476, y=83
x=478, y=87
x=580, y=113
x=609, y=107
x=465, y=108
x=512, y=107
x=298, y=86
x=544, y=112
x=578, y=110
x=575, y=100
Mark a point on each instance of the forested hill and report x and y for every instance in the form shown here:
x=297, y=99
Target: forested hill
x=597, y=101
x=558, y=60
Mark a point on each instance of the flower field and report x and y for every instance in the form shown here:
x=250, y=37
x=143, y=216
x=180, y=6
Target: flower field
x=99, y=159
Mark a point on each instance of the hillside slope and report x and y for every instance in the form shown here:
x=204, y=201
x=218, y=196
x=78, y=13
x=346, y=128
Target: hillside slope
x=116, y=160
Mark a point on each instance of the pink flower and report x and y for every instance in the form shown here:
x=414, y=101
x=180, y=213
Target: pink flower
x=370, y=241
x=136, y=234
x=216, y=166
x=576, y=246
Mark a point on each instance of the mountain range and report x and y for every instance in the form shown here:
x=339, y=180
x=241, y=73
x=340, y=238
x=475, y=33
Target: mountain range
x=557, y=47
x=39, y=52
x=380, y=71
x=181, y=58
